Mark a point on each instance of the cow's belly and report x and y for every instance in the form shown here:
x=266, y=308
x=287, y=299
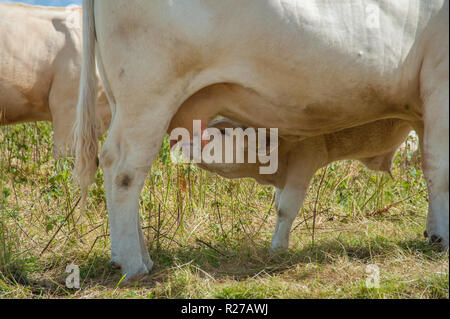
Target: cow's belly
x=24, y=90
x=29, y=46
x=253, y=108
x=306, y=78
x=289, y=68
x=17, y=107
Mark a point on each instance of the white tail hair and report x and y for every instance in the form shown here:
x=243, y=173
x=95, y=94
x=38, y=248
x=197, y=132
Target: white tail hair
x=84, y=131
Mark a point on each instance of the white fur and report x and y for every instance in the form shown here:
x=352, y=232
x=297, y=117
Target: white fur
x=305, y=67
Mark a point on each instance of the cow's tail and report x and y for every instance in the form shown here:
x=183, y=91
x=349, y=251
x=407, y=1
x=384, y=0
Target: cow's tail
x=84, y=131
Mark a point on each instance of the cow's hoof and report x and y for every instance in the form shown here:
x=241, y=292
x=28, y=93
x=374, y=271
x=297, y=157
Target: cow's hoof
x=149, y=265
x=435, y=239
x=114, y=265
x=439, y=240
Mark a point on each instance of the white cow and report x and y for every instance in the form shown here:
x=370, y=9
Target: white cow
x=40, y=66
x=305, y=67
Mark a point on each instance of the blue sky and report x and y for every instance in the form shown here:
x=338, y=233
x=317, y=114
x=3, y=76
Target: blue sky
x=58, y=3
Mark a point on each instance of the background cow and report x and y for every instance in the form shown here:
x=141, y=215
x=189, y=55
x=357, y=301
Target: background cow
x=40, y=65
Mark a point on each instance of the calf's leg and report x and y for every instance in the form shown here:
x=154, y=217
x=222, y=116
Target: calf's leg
x=290, y=199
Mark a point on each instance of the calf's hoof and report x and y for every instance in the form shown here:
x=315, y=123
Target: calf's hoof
x=278, y=246
x=133, y=273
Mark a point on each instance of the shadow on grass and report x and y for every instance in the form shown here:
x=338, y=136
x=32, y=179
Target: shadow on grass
x=239, y=264
x=248, y=262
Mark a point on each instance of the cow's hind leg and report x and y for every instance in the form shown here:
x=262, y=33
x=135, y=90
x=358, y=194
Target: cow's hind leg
x=126, y=158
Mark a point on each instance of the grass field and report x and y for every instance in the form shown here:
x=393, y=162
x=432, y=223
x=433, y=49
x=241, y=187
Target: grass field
x=209, y=237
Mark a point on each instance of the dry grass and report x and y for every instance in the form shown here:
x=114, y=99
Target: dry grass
x=209, y=237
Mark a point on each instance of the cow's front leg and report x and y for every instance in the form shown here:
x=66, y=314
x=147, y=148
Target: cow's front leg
x=434, y=91
x=436, y=165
